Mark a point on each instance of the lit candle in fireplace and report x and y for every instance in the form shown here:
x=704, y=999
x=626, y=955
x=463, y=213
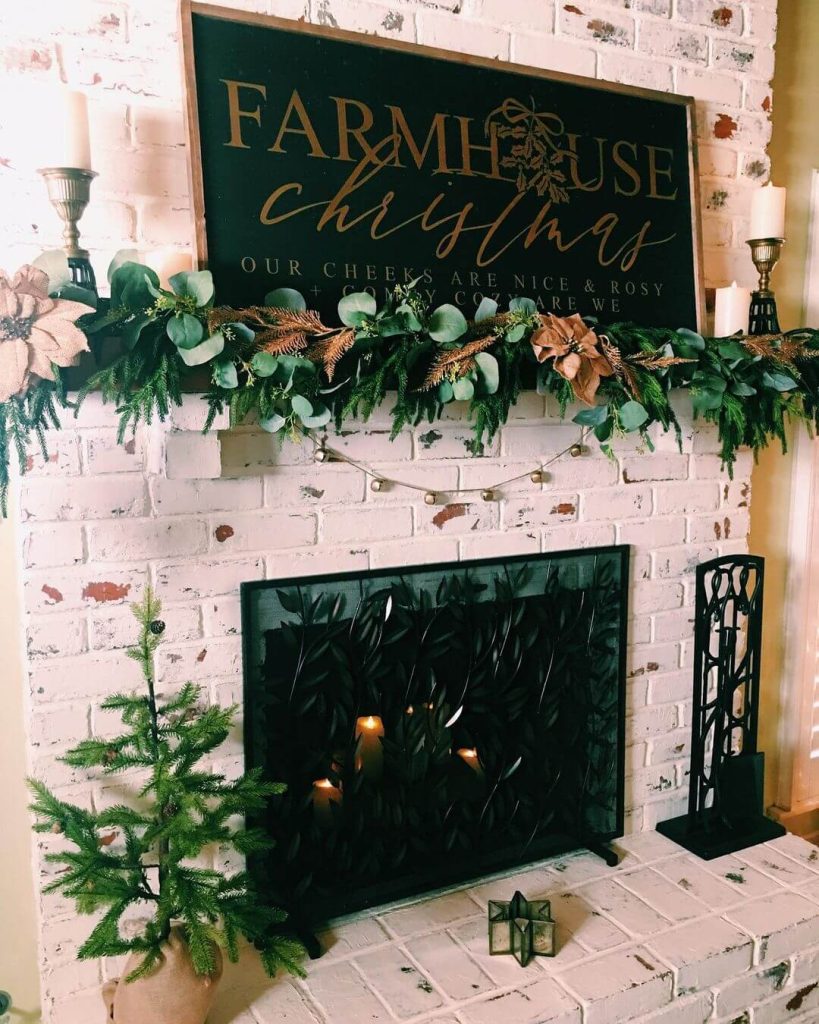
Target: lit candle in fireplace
x=325, y=793
x=369, y=757
x=469, y=755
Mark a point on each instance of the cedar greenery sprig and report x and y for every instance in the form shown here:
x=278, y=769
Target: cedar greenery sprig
x=279, y=364
x=122, y=858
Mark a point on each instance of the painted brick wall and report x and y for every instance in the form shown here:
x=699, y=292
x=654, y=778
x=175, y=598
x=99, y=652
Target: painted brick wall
x=100, y=521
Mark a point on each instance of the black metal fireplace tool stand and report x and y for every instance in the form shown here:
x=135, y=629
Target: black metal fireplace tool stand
x=725, y=803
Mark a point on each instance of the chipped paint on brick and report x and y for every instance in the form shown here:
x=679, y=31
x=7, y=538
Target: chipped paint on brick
x=742, y=58
x=429, y=438
x=311, y=492
x=54, y=596
x=565, y=508
x=104, y=593
x=606, y=32
x=324, y=15
x=393, y=22
x=756, y=169
x=200, y=657
x=223, y=533
x=717, y=199
x=725, y=126
x=451, y=511
x=722, y=17
x=796, y=1000
x=779, y=973
x=572, y=9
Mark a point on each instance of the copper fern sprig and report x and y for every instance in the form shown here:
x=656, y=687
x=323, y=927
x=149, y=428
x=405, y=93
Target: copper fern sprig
x=329, y=350
x=456, y=360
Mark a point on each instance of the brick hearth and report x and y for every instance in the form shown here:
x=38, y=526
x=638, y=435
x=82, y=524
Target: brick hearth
x=664, y=938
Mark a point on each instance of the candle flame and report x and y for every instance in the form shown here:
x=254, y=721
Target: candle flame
x=468, y=753
x=324, y=784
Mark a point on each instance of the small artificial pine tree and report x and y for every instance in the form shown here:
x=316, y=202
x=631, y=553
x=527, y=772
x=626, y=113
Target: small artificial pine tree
x=146, y=862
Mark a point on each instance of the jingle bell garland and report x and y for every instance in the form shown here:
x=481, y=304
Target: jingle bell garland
x=280, y=363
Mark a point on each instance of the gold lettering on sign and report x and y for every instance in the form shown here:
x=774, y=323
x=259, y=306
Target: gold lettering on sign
x=295, y=106
x=344, y=130
x=235, y=112
x=401, y=132
x=654, y=172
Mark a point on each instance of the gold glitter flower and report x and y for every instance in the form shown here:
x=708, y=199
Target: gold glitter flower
x=35, y=331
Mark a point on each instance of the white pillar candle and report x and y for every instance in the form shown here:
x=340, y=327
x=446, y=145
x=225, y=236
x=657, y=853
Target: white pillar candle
x=72, y=135
x=167, y=262
x=324, y=794
x=369, y=757
x=768, y=212
x=733, y=307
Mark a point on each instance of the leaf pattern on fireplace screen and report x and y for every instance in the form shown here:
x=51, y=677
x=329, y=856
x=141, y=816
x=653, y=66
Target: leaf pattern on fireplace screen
x=520, y=662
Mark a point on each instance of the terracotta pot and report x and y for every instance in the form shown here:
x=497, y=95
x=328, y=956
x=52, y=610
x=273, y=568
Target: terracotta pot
x=173, y=993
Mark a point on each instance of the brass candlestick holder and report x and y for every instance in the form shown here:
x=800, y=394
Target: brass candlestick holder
x=69, y=189
x=765, y=253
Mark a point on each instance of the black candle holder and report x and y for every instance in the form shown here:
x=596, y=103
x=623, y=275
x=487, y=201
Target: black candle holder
x=765, y=253
x=69, y=189
x=725, y=800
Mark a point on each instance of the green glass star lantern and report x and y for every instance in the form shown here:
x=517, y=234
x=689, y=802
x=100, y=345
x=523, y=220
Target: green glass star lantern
x=520, y=927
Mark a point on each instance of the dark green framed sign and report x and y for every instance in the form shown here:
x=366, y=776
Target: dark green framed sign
x=333, y=162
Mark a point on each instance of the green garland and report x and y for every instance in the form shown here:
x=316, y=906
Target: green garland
x=280, y=363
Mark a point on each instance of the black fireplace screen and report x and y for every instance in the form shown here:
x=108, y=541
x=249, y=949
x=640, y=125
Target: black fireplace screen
x=434, y=723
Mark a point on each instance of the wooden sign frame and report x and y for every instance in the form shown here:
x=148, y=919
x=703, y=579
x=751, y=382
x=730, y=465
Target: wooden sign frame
x=192, y=8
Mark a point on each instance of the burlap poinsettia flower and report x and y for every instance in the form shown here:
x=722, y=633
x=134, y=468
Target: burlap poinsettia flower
x=573, y=346
x=35, y=331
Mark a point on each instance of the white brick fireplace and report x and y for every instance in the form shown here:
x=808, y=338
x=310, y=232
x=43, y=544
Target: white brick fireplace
x=196, y=516
x=662, y=936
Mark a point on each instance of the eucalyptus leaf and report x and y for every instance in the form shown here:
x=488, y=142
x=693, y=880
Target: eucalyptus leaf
x=486, y=310
x=445, y=393
x=54, y=264
x=447, y=324
x=286, y=298
x=130, y=286
x=240, y=331
x=515, y=333
x=463, y=389
x=193, y=284
x=320, y=417
x=740, y=388
x=356, y=309
x=411, y=321
x=120, y=257
x=733, y=350
x=131, y=328
x=75, y=293
x=209, y=349
x=225, y=374
x=778, y=381
x=185, y=331
x=272, y=424
x=632, y=415
x=691, y=339
x=592, y=417
x=301, y=406
x=488, y=371
x=263, y=364
x=519, y=305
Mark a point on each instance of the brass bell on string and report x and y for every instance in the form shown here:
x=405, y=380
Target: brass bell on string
x=488, y=494
x=576, y=450
x=537, y=476
x=321, y=454
x=430, y=497
x=377, y=484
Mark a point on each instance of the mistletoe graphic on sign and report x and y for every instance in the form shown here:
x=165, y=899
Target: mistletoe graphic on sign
x=536, y=154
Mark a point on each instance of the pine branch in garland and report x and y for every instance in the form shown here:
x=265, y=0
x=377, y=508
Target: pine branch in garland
x=120, y=858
